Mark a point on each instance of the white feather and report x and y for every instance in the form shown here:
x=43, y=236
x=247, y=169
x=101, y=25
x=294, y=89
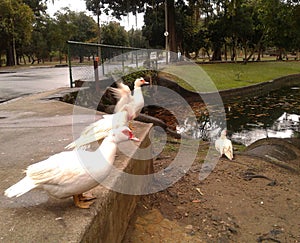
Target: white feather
x=23, y=186
x=123, y=94
x=224, y=146
x=72, y=172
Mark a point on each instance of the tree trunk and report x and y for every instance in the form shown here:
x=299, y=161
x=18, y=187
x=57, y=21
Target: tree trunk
x=234, y=46
x=18, y=60
x=280, y=58
x=10, y=56
x=207, y=53
x=60, y=57
x=24, y=59
x=225, y=52
x=259, y=53
x=172, y=30
x=217, y=55
x=81, y=58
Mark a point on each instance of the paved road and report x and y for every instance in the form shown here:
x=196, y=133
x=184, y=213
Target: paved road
x=24, y=81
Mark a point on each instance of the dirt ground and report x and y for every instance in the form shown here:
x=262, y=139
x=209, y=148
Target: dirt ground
x=243, y=200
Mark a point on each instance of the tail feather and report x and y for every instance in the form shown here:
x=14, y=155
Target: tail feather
x=20, y=188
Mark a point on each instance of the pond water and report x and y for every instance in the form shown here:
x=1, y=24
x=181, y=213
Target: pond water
x=276, y=114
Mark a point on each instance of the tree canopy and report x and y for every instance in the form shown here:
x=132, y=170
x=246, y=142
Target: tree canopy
x=218, y=28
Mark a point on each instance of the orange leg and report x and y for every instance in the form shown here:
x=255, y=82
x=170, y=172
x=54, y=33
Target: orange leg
x=130, y=125
x=86, y=197
x=81, y=201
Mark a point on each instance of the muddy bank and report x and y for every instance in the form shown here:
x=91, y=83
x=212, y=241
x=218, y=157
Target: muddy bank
x=248, y=199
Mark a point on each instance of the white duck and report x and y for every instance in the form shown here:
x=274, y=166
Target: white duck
x=127, y=108
x=72, y=173
x=138, y=98
x=123, y=94
x=224, y=146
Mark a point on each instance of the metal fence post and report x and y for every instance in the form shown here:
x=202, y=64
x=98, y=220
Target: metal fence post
x=70, y=65
x=122, y=56
x=96, y=63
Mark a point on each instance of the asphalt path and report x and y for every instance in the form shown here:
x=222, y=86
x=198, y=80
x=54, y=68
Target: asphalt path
x=15, y=83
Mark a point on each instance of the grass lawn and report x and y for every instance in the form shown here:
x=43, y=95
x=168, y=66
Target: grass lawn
x=229, y=75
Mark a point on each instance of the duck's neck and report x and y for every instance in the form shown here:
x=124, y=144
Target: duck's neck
x=108, y=149
x=137, y=94
x=223, y=136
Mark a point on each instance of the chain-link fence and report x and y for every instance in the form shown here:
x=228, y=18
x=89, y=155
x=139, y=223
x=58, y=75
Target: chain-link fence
x=93, y=62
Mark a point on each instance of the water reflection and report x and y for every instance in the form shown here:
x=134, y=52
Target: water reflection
x=274, y=115
x=286, y=126
x=199, y=129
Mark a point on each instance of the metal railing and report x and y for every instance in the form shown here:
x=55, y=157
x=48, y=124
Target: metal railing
x=85, y=58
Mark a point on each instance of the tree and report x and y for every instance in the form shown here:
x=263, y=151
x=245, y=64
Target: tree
x=120, y=8
x=272, y=24
x=216, y=35
x=136, y=39
x=114, y=34
x=280, y=28
x=95, y=7
x=73, y=26
x=39, y=45
x=16, y=20
x=241, y=28
x=296, y=27
x=193, y=33
x=154, y=26
x=37, y=6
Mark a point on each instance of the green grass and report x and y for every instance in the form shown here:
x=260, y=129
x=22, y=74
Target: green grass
x=230, y=75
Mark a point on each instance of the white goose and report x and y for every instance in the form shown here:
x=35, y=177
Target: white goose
x=224, y=146
x=127, y=108
x=72, y=173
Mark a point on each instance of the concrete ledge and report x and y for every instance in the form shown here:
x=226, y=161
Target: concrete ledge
x=261, y=88
x=32, y=129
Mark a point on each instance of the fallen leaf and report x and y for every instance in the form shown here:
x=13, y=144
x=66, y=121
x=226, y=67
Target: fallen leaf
x=198, y=190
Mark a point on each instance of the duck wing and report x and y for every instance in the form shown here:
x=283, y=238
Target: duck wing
x=45, y=173
x=99, y=129
x=123, y=94
x=227, y=149
x=57, y=169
